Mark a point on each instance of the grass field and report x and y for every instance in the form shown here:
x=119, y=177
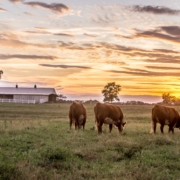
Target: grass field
x=36, y=144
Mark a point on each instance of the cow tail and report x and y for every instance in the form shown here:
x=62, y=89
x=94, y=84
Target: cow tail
x=95, y=113
x=152, y=123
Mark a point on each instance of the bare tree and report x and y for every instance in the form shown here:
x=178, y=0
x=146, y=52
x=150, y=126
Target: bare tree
x=61, y=97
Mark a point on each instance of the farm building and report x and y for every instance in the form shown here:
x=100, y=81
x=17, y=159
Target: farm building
x=27, y=95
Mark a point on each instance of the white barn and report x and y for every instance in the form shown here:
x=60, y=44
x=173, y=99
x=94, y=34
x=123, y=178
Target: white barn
x=27, y=94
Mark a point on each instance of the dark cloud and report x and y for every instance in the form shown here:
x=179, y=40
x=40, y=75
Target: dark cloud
x=1, y=9
x=55, y=7
x=64, y=66
x=145, y=73
x=64, y=34
x=164, y=59
x=38, y=32
x=21, y=56
x=16, y=1
x=160, y=83
x=155, y=34
x=131, y=53
x=109, y=47
x=172, y=30
x=71, y=46
x=154, y=10
x=165, y=51
x=163, y=68
x=29, y=14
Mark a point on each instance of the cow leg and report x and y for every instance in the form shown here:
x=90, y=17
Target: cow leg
x=120, y=129
x=83, y=125
x=70, y=124
x=110, y=127
x=171, y=129
x=76, y=125
x=161, y=128
x=153, y=127
x=100, y=128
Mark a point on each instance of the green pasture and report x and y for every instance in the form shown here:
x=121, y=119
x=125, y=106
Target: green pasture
x=36, y=144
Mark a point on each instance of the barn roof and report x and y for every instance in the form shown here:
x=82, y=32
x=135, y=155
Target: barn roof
x=27, y=91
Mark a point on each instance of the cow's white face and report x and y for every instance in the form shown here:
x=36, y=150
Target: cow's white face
x=81, y=119
x=122, y=126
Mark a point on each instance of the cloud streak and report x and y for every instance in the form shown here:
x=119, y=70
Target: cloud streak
x=15, y=43
x=64, y=34
x=165, y=33
x=90, y=35
x=2, y=10
x=64, y=66
x=163, y=68
x=55, y=7
x=154, y=9
x=20, y=56
x=172, y=30
x=16, y=1
x=145, y=73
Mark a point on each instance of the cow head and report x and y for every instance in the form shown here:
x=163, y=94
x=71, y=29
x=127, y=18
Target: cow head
x=122, y=125
x=178, y=124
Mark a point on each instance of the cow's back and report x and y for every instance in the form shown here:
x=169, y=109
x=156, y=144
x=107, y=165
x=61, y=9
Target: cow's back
x=103, y=111
x=164, y=114
x=77, y=115
x=77, y=109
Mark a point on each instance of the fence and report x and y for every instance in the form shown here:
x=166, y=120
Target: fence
x=17, y=101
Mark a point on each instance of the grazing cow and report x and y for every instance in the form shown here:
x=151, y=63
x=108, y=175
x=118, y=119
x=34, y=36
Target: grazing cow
x=108, y=114
x=77, y=114
x=165, y=116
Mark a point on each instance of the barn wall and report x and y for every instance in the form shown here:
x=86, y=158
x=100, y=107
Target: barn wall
x=32, y=97
x=52, y=98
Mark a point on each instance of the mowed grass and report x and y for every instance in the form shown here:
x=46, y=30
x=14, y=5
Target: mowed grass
x=36, y=144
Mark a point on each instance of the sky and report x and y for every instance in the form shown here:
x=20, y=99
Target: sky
x=77, y=47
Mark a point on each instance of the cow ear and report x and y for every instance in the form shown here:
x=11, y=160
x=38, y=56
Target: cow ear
x=123, y=123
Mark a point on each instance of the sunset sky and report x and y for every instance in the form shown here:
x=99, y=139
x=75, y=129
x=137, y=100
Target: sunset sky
x=77, y=47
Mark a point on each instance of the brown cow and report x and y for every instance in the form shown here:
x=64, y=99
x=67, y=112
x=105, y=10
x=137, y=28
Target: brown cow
x=77, y=114
x=108, y=114
x=165, y=116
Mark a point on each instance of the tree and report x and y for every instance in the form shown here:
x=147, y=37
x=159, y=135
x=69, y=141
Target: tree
x=167, y=98
x=61, y=97
x=1, y=72
x=111, y=91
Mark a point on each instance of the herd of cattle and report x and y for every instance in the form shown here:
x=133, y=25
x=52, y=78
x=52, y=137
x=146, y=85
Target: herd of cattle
x=113, y=116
